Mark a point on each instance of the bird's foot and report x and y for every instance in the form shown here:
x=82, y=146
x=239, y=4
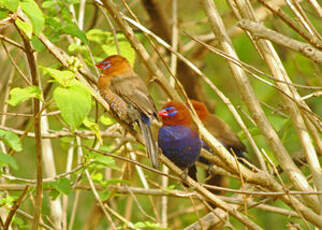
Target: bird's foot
x=184, y=174
x=209, y=170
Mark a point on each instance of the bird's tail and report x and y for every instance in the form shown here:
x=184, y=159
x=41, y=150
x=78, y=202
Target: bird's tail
x=150, y=144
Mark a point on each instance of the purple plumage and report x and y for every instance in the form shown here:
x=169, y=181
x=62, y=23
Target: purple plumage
x=180, y=144
x=178, y=137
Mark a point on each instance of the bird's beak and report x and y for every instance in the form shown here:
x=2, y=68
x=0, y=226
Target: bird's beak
x=163, y=113
x=99, y=65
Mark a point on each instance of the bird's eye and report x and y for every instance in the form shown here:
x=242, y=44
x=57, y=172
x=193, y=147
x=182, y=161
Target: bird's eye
x=171, y=111
x=106, y=64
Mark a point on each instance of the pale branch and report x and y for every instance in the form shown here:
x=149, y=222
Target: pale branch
x=316, y=7
x=267, y=181
x=293, y=24
x=258, y=30
x=252, y=103
x=166, y=192
x=297, y=116
x=30, y=217
x=53, y=134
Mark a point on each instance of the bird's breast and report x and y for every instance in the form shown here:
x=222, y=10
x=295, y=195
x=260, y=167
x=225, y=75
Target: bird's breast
x=180, y=144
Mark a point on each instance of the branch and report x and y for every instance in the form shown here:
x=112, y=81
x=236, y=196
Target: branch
x=30, y=53
x=14, y=208
x=253, y=105
x=298, y=117
x=294, y=25
x=258, y=30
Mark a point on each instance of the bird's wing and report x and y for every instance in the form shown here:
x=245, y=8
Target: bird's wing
x=222, y=131
x=132, y=89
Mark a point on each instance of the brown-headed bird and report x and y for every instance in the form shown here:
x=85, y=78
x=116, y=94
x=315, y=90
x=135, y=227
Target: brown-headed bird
x=178, y=137
x=220, y=130
x=129, y=98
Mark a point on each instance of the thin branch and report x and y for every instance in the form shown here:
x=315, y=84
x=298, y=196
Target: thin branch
x=13, y=61
x=58, y=134
x=14, y=208
x=316, y=7
x=12, y=42
x=95, y=193
x=32, y=61
x=253, y=105
x=27, y=216
x=294, y=25
x=260, y=31
x=297, y=115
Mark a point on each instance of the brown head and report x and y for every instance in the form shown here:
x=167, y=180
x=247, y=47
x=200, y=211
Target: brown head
x=115, y=65
x=175, y=113
x=201, y=109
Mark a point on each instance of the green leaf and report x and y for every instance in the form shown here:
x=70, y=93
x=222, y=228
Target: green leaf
x=125, y=48
x=97, y=35
x=11, y=5
x=7, y=159
x=63, y=77
x=11, y=139
x=63, y=185
x=97, y=177
x=3, y=13
x=73, y=30
x=6, y=200
x=107, y=161
x=106, y=120
x=74, y=103
x=25, y=27
x=48, y=4
x=94, y=127
x=32, y=10
x=37, y=44
x=19, y=95
x=104, y=195
x=148, y=225
x=54, y=194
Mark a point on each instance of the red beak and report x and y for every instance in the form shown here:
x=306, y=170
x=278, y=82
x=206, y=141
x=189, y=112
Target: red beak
x=99, y=65
x=163, y=113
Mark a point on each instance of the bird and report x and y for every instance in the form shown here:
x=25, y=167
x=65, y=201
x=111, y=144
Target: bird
x=129, y=99
x=178, y=137
x=220, y=130
x=225, y=135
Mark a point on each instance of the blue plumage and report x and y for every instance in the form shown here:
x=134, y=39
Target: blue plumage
x=180, y=144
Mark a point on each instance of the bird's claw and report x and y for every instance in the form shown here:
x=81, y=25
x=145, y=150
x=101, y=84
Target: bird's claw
x=184, y=174
x=209, y=170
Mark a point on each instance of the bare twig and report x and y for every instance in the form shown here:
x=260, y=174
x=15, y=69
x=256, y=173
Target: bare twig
x=294, y=25
x=260, y=31
x=298, y=118
x=14, y=208
x=37, y=126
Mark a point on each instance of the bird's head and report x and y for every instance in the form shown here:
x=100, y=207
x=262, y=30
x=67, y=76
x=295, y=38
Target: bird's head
x=114, y=64
x=175, y=113
x=200, y=108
